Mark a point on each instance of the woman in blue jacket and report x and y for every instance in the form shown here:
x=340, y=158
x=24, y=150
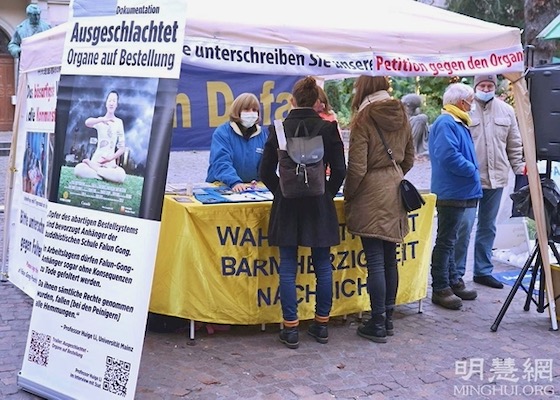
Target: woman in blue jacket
x=237, y=145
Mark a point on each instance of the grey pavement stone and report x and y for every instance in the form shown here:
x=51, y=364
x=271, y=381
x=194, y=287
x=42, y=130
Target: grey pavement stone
x=245, y=363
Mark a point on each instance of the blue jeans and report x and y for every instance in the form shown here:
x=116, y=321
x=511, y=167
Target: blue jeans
x=488, y=208
x=443, y=270
x=287, y=269
x=382, y=277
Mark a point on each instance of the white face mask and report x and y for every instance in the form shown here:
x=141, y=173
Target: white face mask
x=248, y=118
x=485, y=96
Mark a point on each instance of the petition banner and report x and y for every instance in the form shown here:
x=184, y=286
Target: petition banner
x=294, y=60
x=442, y=65
x=285, y=60
x=114, y=112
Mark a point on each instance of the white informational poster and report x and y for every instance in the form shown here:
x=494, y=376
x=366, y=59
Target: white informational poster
x=31, y=187
x=100, y=226
x=87, y=327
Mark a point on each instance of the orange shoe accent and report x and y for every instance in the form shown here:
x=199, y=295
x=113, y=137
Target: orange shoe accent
x=322, y=320
x=290, y=324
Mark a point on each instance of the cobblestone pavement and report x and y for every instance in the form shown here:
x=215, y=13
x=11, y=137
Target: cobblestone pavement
x=426, y=359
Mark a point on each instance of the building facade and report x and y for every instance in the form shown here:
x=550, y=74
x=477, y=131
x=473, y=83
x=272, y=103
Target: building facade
x=12, y=13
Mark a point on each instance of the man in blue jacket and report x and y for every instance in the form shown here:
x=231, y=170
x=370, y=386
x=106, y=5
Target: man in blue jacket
x=456, y=182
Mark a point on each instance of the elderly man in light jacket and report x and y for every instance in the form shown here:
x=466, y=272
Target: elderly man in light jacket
x=498, y=148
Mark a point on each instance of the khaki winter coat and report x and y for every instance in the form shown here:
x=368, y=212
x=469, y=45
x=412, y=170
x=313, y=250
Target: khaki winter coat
x=497, y=142
x=372, y=203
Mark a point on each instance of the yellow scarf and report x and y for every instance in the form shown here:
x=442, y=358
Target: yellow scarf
x=457, y=112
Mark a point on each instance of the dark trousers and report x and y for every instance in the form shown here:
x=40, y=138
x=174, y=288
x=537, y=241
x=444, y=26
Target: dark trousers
x=443, y=269
x=382, y=277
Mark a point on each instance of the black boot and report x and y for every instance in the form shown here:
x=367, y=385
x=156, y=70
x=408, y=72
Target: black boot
x=389, y=322
x=290, y=337
x=374, y=329
x=319, y=331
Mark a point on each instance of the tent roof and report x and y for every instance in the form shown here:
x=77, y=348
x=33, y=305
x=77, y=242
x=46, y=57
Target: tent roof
x=403, y=27
x=43, y=49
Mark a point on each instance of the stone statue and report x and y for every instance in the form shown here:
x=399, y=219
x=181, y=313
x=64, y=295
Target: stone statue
x=418, y=122
x=28, y=27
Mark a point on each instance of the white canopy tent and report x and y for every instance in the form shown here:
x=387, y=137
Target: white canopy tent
x=352, y=26
x=396, y=37
x=405, y=27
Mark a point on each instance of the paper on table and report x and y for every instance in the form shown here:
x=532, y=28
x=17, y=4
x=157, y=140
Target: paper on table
x=185, y=188
x=183, y=199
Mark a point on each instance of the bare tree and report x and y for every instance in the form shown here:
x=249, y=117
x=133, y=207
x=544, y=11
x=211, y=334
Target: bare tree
x=530, y=15
x=538, y=14
x=503, y=12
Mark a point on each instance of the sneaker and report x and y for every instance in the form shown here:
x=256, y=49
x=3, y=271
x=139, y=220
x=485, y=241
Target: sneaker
x=447, y=299
x=319, y=332
x=488, y=280
x=460, y=290
x=290, y=337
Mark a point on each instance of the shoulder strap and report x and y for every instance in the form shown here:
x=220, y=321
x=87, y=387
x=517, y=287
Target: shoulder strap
x=318, y=127
x=387, y=149
x=313, y=133
x=280, y=134
x=298, y=133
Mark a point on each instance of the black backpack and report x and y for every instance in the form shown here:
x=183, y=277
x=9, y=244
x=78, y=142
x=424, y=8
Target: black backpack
x=300, y=165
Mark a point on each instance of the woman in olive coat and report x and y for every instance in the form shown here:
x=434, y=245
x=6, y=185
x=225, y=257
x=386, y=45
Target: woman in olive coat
x=307, y=221
x=372, y=202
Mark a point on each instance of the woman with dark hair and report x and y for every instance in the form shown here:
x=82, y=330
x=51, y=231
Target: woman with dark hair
x=372, y=203
x=308, y=221
x=110, y=145
x=323, y=107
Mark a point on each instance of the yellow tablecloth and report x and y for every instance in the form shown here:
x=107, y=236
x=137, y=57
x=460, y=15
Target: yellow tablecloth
x=214, y=264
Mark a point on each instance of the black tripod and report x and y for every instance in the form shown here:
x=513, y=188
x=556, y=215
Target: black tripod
x=537, y=272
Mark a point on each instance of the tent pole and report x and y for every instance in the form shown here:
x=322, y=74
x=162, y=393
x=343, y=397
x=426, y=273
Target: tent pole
x=525, y=119
x=22, y=82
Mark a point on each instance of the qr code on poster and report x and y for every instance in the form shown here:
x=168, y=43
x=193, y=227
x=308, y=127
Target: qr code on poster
x=116, y=376
x=39, y=348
